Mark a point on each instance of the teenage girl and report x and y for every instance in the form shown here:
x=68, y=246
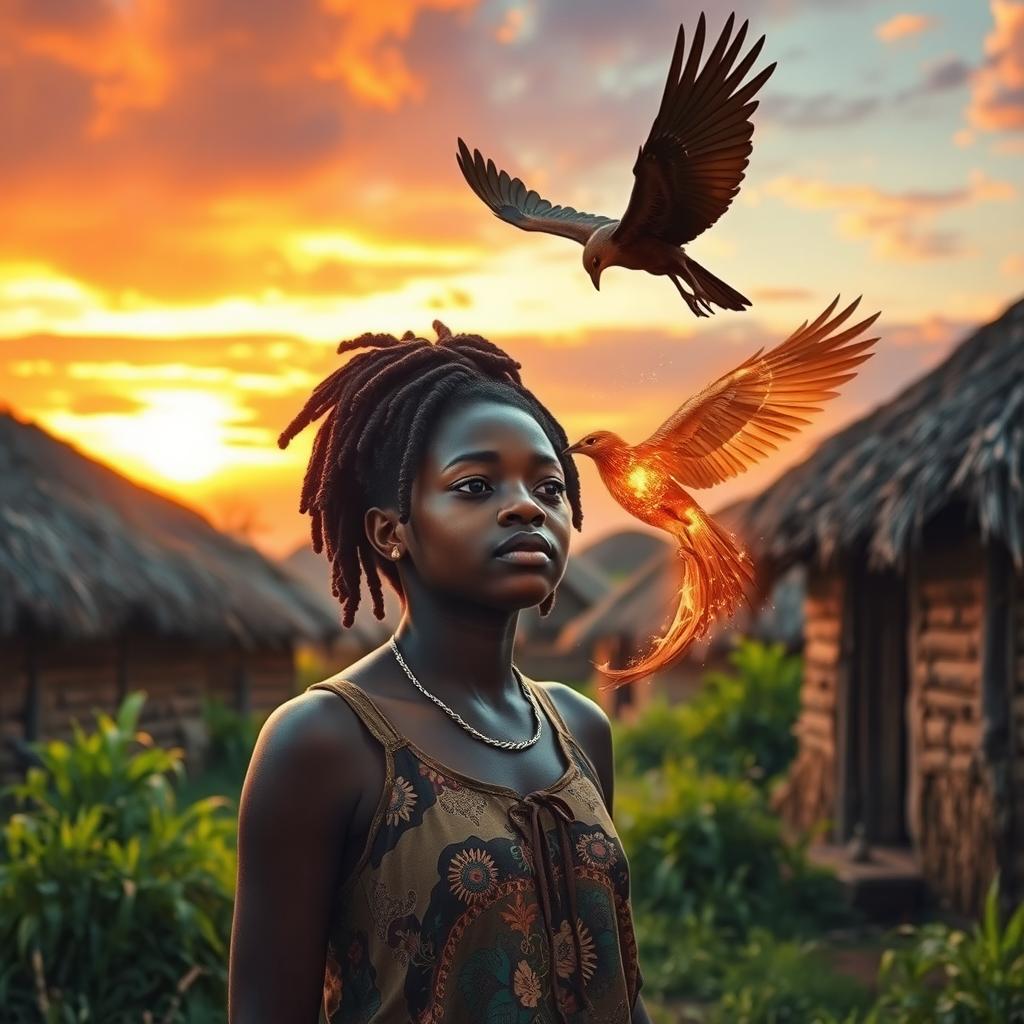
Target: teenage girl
x=428, y=835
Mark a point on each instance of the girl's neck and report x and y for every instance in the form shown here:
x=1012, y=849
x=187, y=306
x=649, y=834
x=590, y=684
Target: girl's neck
x=457, y=652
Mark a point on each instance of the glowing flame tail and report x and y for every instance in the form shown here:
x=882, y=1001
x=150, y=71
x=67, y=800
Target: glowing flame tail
x=715, y=576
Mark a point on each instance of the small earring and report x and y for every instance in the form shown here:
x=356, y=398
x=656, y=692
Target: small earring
x=395, y=552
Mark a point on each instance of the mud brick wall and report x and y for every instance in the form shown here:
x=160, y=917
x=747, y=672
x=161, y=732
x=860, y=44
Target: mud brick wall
x=809, y=792
x=75, y=680
x=951, y=802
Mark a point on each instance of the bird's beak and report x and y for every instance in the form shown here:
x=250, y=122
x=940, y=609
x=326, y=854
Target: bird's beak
x=572, y=449
x=596, y=278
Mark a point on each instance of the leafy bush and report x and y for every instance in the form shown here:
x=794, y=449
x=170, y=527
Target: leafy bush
x=655, y=736
x=104, y=769
x=704, y=844
x=111, y=902
x=683, y=956
x=740, y=723
x=232, y=735
x=947, y=976
x=936, y=975
x=772, y=982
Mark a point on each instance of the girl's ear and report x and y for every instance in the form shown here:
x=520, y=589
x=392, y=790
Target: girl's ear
x=385, y=532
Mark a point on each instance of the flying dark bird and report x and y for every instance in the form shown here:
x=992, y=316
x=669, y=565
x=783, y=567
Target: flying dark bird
x=717, y=434
x=686, y=175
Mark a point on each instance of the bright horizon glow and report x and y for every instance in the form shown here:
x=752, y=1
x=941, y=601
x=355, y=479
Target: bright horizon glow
x=181, y=436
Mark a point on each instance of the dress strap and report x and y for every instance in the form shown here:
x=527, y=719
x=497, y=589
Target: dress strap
x=554, y=714
x=372, y=717
x=569, y=741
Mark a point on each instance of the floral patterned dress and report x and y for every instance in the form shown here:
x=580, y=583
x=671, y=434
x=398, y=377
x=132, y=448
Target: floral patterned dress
x=472, y=903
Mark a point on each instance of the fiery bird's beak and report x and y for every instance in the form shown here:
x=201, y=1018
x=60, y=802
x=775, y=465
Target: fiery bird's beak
x=572, y=449
x=596, y=278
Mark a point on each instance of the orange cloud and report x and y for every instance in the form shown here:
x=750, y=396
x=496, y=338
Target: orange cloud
x=896, y=223
x=365, y=56
x=115, y=46
x=167, y=152
x=903, y=26
x=997, y=100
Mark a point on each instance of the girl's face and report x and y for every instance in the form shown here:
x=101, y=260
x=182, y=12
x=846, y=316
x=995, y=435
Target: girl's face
x=489, y=473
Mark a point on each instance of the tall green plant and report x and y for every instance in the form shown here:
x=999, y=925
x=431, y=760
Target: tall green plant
x=936, y=975
x=705, y=843
x=112, y=903
x=739, y=724
x=948, y=976
x=116, y=768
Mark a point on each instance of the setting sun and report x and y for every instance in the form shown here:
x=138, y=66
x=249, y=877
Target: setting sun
x=179, y=435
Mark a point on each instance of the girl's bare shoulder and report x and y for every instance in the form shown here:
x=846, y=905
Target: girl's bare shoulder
x=315, y=747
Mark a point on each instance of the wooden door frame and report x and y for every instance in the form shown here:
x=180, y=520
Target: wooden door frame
x=857, y=697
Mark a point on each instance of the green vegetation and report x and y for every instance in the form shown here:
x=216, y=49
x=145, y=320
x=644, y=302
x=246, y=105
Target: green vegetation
x=739, y=724
x=111, y=900
x=116, y=903
x=774, y=982
x=702, y=844
x=948, y=976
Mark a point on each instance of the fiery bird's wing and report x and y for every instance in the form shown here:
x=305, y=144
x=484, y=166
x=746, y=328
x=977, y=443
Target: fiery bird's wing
x=509, y=199
x=747, y=413
x=693, y=161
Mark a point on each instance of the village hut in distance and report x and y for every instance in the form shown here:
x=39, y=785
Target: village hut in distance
x=910, y=523
x=107, y=587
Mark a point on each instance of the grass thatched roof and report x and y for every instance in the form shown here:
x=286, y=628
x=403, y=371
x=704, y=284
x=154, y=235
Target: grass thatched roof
x=86, y=553
x=956, y=437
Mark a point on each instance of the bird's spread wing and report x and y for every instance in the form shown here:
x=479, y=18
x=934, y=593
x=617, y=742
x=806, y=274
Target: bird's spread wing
x=511, y=201
x=743, y=416
x=691, y=166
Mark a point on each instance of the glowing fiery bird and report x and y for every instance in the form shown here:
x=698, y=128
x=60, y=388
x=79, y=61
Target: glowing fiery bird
x=685, y=176
x=717, y=434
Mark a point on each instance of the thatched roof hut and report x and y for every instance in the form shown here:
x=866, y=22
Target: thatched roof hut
x=85, y=553
x=956, y=437
x=107, y=587
x=910, y=523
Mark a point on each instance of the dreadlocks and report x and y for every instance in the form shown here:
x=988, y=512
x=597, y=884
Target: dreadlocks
x=381, y=406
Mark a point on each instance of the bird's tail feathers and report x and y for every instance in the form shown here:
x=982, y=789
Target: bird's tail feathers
x=715, y=576
x=715, y=289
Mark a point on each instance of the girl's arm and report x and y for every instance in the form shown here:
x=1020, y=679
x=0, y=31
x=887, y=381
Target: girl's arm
x=293, y=815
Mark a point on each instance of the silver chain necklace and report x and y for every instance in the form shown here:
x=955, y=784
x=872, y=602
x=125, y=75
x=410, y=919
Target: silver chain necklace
x=504, y=744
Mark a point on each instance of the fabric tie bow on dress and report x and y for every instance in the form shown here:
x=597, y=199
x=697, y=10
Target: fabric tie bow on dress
x=532, y=832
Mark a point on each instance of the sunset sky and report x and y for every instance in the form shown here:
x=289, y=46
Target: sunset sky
x=202, y=197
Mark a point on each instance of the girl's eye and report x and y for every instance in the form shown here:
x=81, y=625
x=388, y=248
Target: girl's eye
x=480, y=480
x=472, y=480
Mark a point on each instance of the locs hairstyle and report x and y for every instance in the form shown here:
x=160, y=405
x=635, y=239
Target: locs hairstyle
x=381, y=406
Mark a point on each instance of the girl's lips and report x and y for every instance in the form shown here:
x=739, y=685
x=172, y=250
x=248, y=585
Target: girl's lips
x=538, y=558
